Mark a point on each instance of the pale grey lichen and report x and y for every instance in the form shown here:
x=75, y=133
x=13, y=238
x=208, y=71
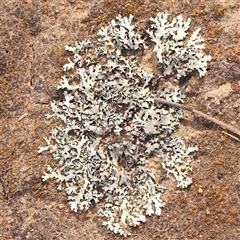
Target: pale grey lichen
x=173, y=53
x=112, y=126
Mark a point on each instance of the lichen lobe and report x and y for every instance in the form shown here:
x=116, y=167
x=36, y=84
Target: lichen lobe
x=112, y=125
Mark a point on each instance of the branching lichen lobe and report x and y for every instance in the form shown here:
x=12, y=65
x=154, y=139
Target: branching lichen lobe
x=112, y=124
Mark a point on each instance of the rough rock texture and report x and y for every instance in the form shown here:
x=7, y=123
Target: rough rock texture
x=33, y=36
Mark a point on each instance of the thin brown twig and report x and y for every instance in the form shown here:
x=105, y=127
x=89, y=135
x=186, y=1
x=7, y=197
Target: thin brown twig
x=199, y=113
x=230, y=135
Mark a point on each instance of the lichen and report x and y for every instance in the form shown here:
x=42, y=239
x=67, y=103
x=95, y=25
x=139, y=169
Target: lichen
x=169, y=40
x=112, y=124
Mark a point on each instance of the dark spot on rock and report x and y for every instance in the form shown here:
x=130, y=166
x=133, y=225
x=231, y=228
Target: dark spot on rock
x=220, y=176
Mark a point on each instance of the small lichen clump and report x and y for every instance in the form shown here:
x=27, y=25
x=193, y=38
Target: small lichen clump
x=112, y=124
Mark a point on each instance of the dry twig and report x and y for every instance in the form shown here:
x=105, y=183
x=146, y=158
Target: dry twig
x=199, y=113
